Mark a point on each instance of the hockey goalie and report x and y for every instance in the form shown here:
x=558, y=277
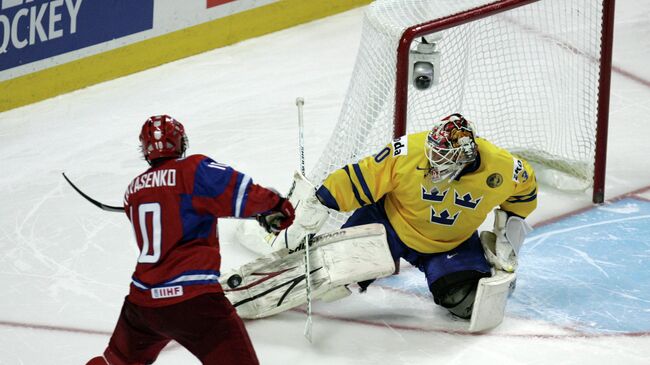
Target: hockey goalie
x=421, y=198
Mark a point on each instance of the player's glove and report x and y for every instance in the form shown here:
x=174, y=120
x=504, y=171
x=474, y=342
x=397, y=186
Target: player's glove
x=311, y=215
x=502, y=245
x=278, y=218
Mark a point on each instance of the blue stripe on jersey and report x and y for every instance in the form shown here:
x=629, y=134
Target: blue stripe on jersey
x=362, y=181
x=327, y=198
x=191, y=277
x=139, y=284
x=523, y=198
x=354, y=187
x=240, y=195
x=211, y=178
x=194, y=225
x=530, y=199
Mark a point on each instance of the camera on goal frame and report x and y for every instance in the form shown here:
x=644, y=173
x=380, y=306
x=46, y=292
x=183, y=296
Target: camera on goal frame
x=425, y=62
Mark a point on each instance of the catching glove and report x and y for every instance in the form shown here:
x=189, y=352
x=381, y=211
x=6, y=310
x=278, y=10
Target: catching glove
x=502, y=245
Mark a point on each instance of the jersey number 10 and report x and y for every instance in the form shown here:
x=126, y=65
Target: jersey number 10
x=151, y=246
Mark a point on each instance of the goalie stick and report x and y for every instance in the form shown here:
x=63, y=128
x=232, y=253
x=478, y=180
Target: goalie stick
x=301, y=147
x=102, y=206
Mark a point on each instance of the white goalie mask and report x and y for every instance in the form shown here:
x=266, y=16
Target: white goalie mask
x=449, y=147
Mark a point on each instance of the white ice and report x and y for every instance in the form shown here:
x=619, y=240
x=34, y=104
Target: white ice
x=65, y=265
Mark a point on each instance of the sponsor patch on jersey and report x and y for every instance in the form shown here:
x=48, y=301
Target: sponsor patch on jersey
x=167, y=292
x=517, y=168
x=400, y=146
x=494, y=181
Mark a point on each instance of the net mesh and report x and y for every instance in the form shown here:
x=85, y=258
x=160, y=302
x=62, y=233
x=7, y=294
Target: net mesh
x=527, y=78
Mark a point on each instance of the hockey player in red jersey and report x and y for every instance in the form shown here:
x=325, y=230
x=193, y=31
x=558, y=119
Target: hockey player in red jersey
x=175, y=293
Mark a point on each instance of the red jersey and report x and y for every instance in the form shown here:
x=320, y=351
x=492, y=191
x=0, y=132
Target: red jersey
x=174, y=208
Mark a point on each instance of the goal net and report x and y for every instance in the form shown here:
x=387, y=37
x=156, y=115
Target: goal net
x=526, y=73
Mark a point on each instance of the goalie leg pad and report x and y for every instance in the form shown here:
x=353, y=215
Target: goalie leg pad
x=490, y=302
x=456, y=291
x=335, y=294
x=276, y=282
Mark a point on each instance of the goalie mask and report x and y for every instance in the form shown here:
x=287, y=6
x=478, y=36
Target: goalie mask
x=162, y=137
x=449, y=147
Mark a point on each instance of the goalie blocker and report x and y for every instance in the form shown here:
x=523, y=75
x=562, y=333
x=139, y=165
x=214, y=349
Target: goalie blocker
x=276, y=282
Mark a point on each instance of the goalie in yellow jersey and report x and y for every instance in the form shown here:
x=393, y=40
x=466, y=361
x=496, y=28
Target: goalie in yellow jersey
x=432, y=190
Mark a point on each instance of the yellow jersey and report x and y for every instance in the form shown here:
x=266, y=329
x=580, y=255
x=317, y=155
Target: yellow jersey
x=430, y=217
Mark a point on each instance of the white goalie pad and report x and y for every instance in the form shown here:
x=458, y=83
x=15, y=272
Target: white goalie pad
x=490, y=302
x=276, y=282
x=310, y=217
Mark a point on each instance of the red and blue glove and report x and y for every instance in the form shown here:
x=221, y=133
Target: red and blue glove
x=278, y=218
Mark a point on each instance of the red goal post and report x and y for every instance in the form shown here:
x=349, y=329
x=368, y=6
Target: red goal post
x=605, y=66
x=533, y=76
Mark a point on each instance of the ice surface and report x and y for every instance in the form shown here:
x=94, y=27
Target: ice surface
x=582, y=294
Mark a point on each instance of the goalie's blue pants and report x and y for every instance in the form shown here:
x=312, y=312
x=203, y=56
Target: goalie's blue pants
x=466, y=256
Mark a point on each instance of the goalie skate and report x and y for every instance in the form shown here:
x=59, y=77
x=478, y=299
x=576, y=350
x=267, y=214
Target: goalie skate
x=276, y=282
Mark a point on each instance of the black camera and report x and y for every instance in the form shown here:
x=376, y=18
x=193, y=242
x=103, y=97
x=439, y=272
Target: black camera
x=425, y=63
x=423, y=75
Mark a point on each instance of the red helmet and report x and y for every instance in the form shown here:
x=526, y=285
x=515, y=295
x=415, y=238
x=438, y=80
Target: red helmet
x=162, y=136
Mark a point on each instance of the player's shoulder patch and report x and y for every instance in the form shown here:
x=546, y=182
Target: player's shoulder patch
x=519, y=173
x=494, y=180
x=400, y=146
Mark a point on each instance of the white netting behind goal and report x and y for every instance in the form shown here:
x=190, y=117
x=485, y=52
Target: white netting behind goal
x=527, y=78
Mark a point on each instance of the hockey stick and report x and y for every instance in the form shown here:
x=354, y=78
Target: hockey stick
x=301, y=150
x=102, y=206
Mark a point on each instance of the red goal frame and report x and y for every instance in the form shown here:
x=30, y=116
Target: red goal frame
x=607, y=35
